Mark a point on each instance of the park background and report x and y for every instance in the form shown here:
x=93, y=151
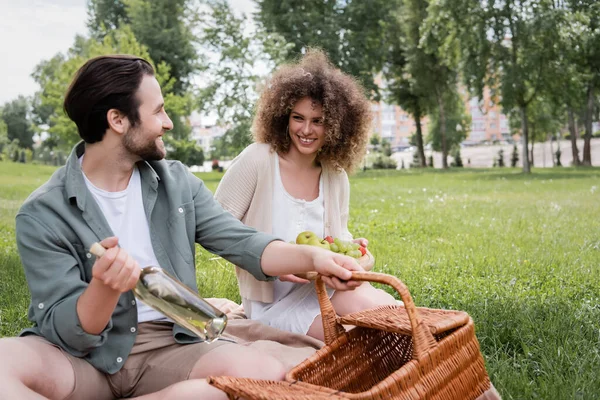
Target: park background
x=499, y=97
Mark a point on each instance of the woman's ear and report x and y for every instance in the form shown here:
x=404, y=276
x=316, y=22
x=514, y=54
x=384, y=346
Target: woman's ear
x=117, y=121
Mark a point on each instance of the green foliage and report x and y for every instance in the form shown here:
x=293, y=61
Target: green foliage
x=237, y=63
x=509, y=48
x=184, y=150
x=458, y=122
x=351, y=33
x=375, y=140
x=384, y=162
x=457, y=158
x=164, y=27
x=232, y=142
x=16, y=117
x=500, y=160
x=386, y=147
x=514, y=158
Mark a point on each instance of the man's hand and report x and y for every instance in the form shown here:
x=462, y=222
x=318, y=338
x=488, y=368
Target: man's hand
x=336, y=269
x=116, y=269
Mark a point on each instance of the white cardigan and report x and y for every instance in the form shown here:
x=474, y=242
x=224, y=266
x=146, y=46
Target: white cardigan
x=246, y=191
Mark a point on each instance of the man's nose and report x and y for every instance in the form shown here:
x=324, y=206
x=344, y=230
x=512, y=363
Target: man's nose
x=167, y=124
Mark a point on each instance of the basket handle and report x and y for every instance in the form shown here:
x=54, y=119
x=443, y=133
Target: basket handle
x=422, y=338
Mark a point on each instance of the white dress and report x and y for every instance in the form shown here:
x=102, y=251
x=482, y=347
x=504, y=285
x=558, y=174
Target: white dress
x=295, y=305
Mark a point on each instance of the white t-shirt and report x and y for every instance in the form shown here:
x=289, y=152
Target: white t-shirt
x=125, y=214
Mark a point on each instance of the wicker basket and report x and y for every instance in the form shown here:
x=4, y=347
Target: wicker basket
x=395, y=352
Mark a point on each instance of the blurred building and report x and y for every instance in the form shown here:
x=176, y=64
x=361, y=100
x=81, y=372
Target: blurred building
x=397, y=126
x=204, y=134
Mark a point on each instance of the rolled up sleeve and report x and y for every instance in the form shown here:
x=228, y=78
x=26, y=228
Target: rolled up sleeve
x=55, y=282
x=221, y=233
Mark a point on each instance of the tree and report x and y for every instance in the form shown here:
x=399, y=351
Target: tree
x=457, y=158
x=405, y=84
x=458, y=123
x=350, y=32
x=186, y=151
x=236, y=65
x=507, y=46
x=16, y=117
x=544, y=120
x=586, y=19
x=514, y=158
x=501, y=158
x=164, y=27
x=3, y=135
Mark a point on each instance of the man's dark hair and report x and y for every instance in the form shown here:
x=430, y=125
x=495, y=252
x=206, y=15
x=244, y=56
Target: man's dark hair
x=103, y=83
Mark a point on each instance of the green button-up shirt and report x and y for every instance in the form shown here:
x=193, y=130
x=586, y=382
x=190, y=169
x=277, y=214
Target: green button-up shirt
x=60, y=220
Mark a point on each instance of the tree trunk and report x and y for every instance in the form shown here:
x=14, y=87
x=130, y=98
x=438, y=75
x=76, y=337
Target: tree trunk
x=531, y=152
x=420, y=147
x=551, y=152
x=525, y=133
x=587, y=138
x=573, y=133
x=442, y=111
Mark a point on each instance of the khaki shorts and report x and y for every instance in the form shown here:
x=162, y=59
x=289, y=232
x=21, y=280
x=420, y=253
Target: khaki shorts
x=155, y=362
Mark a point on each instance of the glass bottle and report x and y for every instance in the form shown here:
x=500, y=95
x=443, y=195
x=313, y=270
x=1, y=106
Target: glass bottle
x=162, y=292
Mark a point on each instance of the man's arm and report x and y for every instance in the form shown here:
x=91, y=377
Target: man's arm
x=281, y=258
x=263, y=255
x=113, y=273
x=55, y=283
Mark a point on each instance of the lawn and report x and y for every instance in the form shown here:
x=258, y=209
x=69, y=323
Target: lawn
x=519, y=253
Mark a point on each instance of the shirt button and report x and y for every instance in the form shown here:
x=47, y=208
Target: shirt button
x=180, y=210
x=132, y=329
x=133, y=302
x=88, y=255
x=119, y=360
x=41, y=305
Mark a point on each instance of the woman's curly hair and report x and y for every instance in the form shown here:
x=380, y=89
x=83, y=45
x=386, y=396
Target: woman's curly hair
x=346, y=110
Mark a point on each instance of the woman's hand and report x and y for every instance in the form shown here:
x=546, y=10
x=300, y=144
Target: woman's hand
x=362, y=242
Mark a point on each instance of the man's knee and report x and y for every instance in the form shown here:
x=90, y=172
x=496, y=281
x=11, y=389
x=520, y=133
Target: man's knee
x=239, y=361
x=36, y=365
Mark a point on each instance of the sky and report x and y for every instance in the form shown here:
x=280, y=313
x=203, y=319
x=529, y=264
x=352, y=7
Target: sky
x=35, y=30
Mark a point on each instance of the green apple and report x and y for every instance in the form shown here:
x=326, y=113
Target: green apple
x=307, y=237
x=325, y=244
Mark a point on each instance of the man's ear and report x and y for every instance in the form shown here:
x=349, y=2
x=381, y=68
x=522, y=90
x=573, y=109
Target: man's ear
x=117, y=121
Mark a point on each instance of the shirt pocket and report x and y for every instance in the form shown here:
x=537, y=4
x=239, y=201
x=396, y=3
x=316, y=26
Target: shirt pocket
x=182, y=227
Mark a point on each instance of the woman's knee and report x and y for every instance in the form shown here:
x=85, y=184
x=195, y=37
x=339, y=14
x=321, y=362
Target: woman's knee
x=240, y=361
x=362, y=298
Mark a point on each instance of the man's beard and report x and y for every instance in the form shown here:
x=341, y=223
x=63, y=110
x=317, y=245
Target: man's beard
x=148, y=151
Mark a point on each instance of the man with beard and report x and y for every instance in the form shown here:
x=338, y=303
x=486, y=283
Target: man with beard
x=91, y=338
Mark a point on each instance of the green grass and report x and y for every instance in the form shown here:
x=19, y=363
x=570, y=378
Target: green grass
x=519, y=253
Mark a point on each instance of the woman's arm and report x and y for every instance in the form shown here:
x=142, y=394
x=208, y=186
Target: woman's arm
x=238, y=185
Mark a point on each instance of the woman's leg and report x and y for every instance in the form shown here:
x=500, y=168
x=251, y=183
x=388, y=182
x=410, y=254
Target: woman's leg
x=362, y=298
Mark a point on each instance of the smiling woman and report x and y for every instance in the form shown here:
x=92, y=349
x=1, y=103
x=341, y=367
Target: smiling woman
x=311, y=126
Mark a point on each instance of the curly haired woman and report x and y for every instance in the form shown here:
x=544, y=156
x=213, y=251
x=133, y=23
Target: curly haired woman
x=311, y=126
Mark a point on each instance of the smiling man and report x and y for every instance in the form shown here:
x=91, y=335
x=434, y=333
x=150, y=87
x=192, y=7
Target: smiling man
x=91, y=338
